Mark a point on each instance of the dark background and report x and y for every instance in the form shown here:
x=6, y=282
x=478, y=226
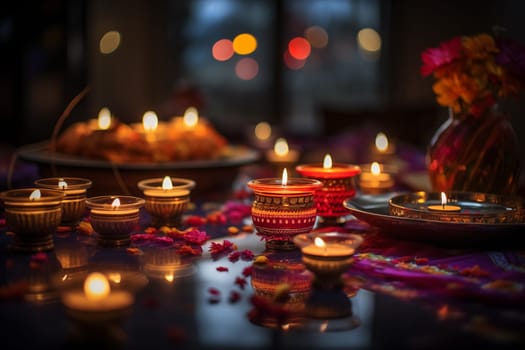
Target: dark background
x=50, y=53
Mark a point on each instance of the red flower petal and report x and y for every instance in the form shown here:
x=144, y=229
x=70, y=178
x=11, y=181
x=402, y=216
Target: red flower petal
x=222, y=269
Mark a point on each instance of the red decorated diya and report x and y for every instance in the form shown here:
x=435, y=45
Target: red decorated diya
x=338, y=184
x=283, y=208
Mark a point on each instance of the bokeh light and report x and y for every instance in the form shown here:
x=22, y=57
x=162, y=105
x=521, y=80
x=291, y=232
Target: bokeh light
x=263, y=131
x=109, y=42
x=247, y=68
x=291, y=62
x=369, y=40
x=316, y=36
x=222, y=50
x=299, y=48
x=244, y=44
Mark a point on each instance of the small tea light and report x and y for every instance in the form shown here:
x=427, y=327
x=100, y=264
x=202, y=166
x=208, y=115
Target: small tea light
x=338, y=184
x=327, y=255
x=96, y=308
x=104, y=119
x=283, y=208
x=282, y=156
x=375, y=181
x=33, y=214
x=444, y=206
x=74, y=202
x=114, y=218
x=166, y=198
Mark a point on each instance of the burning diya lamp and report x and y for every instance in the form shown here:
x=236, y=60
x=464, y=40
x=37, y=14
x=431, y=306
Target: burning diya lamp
x=282, y=156
x=114, y=218
x=375, y=181
x=328, y=255
x=33, y=215
x=283, y=208
x=459, y=207
x=74, y=202
x=96, y=309
x=166, y=198
x=338, y=184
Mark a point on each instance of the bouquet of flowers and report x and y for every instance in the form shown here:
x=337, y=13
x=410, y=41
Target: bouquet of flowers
x=473, y=72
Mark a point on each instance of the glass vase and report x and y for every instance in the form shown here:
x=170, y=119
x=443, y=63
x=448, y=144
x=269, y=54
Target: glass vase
x=475, y=154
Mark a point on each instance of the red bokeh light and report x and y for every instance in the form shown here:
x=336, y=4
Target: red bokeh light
x=222, y=50
x=247, y=68
x=299, y=48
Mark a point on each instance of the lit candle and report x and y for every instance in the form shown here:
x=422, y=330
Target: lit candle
x=33, y=214
x=281, y=153
x=114, y=218
x=444, y=205
x=382, y=145
x=327, y=254
x=104, y=119
x=166, y=198
x=283, y=208
x=191, y=117
x=338, y=184
x=375, y=181
x=97, y=296
x=74, y=202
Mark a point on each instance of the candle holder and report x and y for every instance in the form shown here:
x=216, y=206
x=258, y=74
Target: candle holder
x=33, y=215
x=460, y=207
x=74, y=202
x=338, y=184
x=114, y=218
x=280, y=212
x=166, y=203
x=327, y=255
x=96, y=309
x=377, y=179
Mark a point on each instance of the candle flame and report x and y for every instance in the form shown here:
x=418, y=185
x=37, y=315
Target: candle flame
x=443, y=199
x=319, y=242
x=115, y=204
x=150, y=121
x=284, y=180
x=166, y=183
x=281, y=147
x=169, y=277
x=35, y=195
x=381, y=142
x=96, y=286
x=263, y=131
x=104, y=119
x=115, y=277
x=327, y=162
x=191, y=117
x=62, y=184
x=375, y=168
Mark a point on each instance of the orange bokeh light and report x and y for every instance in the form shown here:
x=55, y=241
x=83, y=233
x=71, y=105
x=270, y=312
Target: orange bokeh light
x=244, y=44
x=299, y=48
x=222, y=50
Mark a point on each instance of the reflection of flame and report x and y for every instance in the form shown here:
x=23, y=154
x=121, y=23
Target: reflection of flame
x=327, y=162
x=115, y=277
x=318, y=241
x=375, y=168
x=166, y=183
x=104, y=119
x=323, y=326
x=35, y=195
x=169, y=277
x=62, y=184
x=150, y=121
x=96, y=286
x=284, y=180
x=115, y=204
x=381, y=142
x=191, y=117
x=281, y=147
